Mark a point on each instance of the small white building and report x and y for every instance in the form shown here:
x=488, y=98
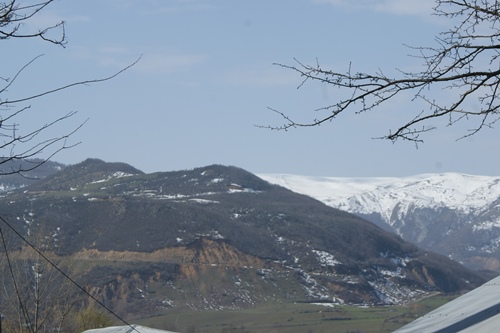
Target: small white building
x=127, y=329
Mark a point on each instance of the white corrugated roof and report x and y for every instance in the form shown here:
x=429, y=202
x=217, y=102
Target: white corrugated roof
x=477, y=311
x=127, y=329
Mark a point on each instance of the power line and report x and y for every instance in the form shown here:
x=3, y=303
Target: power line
x=60, y=271
x=9, y=263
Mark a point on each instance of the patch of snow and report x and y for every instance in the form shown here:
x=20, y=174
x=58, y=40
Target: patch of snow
x=492, y=247
x=204, y=201
x=325, y=258
x=488, y=225
x=235, y=188
x=401, y=262
x=121, y=174
x=117, y=174
x=396, y=273
x=312, y=287
x=214, y=234
x=329, y=305
x=167, y=302
x=390, y=293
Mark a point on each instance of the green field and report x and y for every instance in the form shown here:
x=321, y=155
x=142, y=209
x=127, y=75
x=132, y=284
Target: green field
x=296, y=318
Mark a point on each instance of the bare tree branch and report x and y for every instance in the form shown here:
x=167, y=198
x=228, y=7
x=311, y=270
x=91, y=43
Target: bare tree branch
x=38, y=296
x=464, y=61
x=17, y=144
x=14, y=15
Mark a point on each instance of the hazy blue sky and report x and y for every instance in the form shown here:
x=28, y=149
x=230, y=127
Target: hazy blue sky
x=206, y=77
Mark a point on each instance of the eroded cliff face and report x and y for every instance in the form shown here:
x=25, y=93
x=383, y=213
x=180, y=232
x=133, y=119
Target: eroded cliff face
x=209, y=274
x=202, y=252
x=212, y=274
x=206, y=274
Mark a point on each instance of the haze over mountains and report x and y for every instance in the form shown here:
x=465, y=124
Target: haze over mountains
x=217, y=237
x=453, y=214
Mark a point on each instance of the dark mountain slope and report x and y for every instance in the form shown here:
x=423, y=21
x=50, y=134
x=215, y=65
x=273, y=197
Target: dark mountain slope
x=221, y=227
x=42, y=169
x=87, y=172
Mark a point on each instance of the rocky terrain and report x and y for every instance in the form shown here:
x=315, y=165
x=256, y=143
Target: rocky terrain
x=216, y=237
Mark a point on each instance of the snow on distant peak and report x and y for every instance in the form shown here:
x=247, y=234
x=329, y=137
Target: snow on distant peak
x=382, y=194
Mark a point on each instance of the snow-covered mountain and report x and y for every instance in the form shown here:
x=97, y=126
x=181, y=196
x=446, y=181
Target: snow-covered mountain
x=454, y=214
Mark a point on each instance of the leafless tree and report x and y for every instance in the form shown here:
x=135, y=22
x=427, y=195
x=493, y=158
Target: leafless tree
x=20, y=145
x=465, y=62
x=35, y=297
x=35, y=294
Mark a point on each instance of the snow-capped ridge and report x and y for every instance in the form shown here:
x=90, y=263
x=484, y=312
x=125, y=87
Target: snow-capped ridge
x=382, y=194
